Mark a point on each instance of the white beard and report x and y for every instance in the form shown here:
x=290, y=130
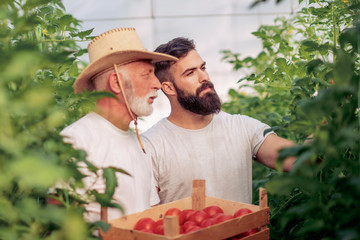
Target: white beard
x=139, y=105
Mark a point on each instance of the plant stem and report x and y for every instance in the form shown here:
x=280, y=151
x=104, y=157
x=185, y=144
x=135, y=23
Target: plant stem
x=334, y=28
x=319, y=3
x=358, y=104
x=285, y=204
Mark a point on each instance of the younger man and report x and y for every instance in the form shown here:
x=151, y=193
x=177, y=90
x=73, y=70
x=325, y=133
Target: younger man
x=198, y=140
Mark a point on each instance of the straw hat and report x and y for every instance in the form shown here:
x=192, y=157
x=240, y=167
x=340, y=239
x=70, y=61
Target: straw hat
x=117, y=46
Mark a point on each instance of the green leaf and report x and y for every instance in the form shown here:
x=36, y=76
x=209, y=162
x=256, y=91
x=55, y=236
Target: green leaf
x=75, y=227
x=34, y=172
x=350, y=37
x=119, y=170
x=312, y=65
x=282, y=64
x=304, y=157
x=102, y=225
x=309, y=46
x=84, y=34
x=111, y=181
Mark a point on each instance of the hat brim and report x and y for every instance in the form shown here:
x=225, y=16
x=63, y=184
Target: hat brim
x=122, y=57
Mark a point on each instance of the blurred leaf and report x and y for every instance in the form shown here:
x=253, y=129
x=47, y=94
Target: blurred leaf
x=111, y=181
x=35, y=172
x=309, y=46
x=102, y=225
x=84, y=34
x=313, y=64
x=74, y=227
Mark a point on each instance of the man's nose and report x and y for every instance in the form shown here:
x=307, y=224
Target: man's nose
x=156, y=83
x=203, y=76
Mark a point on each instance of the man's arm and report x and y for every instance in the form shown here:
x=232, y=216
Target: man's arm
x=269, y=151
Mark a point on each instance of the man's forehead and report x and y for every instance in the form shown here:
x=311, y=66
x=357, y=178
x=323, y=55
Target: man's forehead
x=191, y=60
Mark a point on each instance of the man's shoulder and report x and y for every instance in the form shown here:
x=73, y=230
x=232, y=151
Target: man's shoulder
x=226, y=117
x=82, y=123
x=232, y=122
x=156, y=129
x=233, y=117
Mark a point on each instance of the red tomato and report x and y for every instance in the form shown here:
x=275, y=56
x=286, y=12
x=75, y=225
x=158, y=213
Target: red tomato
x=181, y=229
x=173, y=212
x=221, y=217
x=192, y=229
x=242, y=211
x=247, y=233
x=146, y=230
x=144, y=223
x=51, y=201
x=184, y=215
x=213, y=210
x=198, y=216
x=207, y=222
x=188, y=224
x=159, y=229
x=158, y=222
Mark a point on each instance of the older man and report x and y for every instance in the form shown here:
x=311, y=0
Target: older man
x=120, y=65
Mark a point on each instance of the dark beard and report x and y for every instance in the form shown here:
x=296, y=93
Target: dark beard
x=205, y=105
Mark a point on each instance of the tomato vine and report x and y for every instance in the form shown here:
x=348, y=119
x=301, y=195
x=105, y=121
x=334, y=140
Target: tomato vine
x=307, y=81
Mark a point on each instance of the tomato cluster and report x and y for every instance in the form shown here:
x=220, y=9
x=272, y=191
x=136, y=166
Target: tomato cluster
x=193, y=220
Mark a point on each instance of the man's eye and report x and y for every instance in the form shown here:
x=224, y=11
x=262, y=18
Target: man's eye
x=203, y=68
x=189, y=73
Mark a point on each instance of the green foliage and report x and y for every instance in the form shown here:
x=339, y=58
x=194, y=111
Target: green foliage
x=306, y=81
x=38, y=65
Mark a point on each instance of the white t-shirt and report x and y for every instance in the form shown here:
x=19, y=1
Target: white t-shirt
x=109, y=146
x=221, y=153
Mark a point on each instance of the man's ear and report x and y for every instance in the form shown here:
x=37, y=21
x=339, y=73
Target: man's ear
x=168, y=88
x=114, y=83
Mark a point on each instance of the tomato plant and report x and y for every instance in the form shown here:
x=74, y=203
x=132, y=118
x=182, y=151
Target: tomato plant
x=307, y=81
x=38, y=63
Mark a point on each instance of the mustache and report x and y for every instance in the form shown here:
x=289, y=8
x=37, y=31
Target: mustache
x=203, y=86
x=152, y=94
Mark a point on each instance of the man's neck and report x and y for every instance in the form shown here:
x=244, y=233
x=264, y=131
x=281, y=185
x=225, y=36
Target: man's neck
x=189, y=120
x=115, y=112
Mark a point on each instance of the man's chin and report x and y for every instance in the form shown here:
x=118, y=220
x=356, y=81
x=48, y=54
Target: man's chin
x=144, y=112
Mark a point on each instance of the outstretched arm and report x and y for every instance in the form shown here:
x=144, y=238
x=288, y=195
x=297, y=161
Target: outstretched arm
x=269, y=151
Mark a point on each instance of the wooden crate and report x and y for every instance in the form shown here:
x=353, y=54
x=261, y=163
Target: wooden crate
x=122, y=228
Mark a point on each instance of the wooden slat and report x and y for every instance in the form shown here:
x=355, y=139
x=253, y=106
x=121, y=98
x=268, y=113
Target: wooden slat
x=171, y=226
x=198, y=194
x=263, y=198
